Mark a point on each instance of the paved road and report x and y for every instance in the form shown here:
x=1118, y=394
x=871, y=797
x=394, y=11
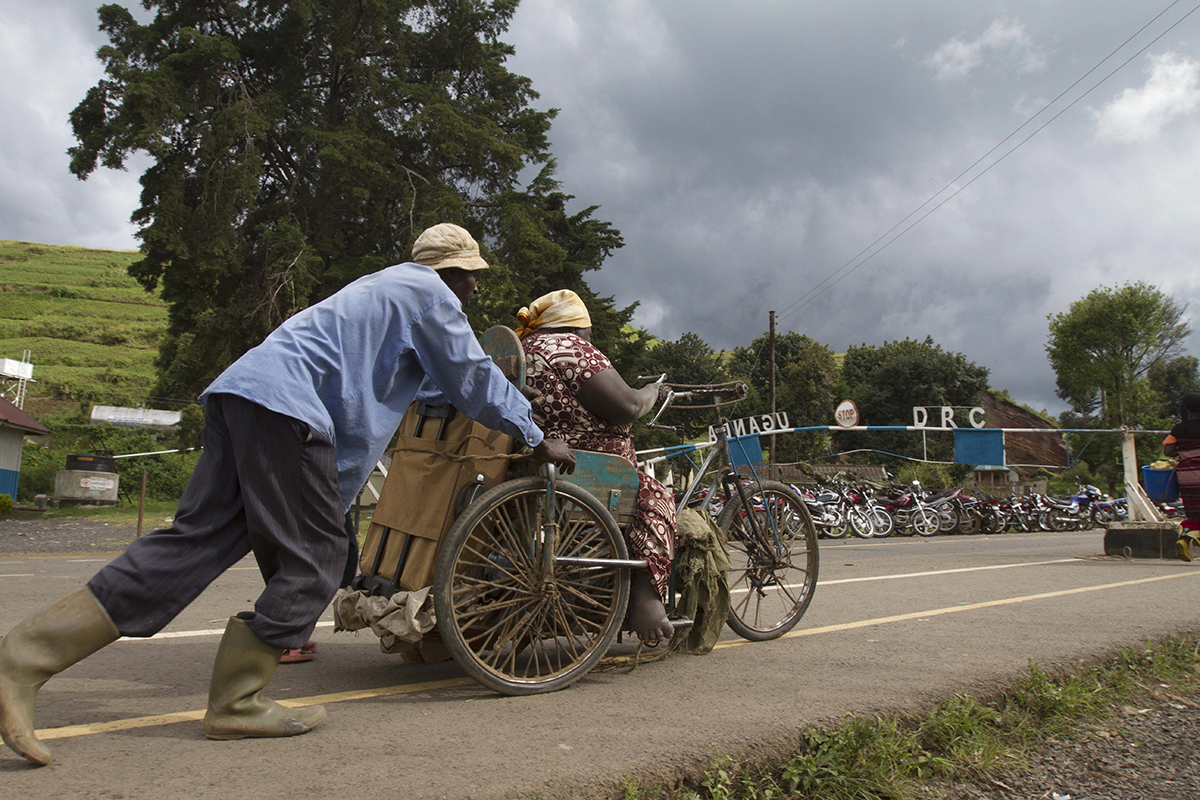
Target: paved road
x=894, y=626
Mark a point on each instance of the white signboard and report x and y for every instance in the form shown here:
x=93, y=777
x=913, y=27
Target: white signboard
x=11, y=368
x=846, y=414
x=96, y=484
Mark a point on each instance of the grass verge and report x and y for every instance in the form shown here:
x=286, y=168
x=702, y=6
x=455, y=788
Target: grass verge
x=962, y=739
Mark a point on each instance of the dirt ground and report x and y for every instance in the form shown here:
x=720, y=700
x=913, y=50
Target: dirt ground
x=1147, y=753
x=22, y=537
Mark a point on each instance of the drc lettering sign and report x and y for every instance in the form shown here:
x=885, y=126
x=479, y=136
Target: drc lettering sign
x=975, y=417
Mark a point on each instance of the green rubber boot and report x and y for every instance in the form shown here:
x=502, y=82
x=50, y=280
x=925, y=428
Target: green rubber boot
x=237, y=708
x=41, y=646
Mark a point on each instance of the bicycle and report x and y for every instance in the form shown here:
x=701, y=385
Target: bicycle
x=772, y=547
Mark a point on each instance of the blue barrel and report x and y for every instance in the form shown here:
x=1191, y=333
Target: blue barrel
x=1161, y=484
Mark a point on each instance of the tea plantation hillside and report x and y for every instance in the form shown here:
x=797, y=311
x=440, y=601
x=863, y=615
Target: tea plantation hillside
x=93, y=335
x=93, y=331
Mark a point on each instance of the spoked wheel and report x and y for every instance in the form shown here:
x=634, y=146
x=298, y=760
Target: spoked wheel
x=925, y=521
x=516, y=620
x=971, y=523
x=774, y=562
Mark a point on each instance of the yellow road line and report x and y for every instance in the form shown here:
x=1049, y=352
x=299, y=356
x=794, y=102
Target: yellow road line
x=412, y=688
x=18, y=575
x=937, y=612
x=69, y=731
x=189, y=634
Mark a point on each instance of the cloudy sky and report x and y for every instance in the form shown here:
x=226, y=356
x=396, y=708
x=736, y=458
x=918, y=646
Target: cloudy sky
x=795, y=156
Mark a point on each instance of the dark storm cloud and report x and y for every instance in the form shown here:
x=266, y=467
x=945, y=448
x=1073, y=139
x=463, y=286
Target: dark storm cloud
x=749, y=150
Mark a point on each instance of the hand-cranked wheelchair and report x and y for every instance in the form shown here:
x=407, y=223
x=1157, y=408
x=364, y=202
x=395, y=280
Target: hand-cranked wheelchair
x=530, y=574
x=532, y=579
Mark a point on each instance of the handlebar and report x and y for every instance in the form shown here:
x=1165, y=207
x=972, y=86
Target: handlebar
x=717, y=395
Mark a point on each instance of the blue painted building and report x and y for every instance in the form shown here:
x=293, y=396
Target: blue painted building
x=15, y=425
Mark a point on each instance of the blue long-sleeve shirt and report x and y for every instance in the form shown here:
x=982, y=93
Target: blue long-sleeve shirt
x=350, y=365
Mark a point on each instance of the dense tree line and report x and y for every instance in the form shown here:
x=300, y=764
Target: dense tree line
x=884, y=381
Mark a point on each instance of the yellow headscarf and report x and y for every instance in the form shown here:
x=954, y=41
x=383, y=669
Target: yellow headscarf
x=560, y=309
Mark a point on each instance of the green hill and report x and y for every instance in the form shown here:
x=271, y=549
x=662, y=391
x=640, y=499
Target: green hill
x=92, y=331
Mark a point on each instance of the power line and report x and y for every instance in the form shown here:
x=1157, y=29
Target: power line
x=829, y=282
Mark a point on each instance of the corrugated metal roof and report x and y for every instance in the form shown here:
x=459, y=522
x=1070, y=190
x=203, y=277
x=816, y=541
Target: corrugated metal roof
x=14, y=417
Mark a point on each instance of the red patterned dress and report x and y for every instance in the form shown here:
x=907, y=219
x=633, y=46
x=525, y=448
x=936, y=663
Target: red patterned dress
x=558, y=365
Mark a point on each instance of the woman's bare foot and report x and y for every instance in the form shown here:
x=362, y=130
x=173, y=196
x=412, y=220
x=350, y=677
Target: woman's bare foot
x=647, y=615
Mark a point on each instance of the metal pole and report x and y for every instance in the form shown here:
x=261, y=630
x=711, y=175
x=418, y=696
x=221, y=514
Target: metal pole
x=1141, y=509
x=771, y=389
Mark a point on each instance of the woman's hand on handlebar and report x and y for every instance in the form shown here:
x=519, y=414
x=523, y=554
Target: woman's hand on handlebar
x=556, y=450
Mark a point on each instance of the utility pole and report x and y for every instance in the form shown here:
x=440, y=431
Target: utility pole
x=771, y=385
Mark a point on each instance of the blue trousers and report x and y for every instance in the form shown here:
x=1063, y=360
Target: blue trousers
x=265, y=483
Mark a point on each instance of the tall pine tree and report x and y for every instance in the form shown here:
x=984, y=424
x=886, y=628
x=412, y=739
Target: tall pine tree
x=299, y=145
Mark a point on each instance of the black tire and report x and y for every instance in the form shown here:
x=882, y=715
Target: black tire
x=972, y=523
x=858, y=521
x=882, y=523
x=510, y=626
x=947, y=518
x=840, y=529
x=774, y=564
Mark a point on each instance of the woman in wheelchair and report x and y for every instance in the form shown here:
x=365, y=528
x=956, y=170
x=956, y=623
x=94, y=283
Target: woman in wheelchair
x=588, y=405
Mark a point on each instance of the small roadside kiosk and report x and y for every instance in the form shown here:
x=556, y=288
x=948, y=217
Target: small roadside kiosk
x=15, y=425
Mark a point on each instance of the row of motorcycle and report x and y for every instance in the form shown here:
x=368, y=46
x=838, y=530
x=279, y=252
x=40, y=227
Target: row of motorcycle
x=840, y=509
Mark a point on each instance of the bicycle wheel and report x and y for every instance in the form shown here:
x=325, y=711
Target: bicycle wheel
x=925, y=521
x=515, y=621
x=774, y=570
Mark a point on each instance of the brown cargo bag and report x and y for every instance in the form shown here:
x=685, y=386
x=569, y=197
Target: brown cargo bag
x=439, y=451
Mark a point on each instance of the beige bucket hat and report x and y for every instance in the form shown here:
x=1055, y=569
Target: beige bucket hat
x=447, y=245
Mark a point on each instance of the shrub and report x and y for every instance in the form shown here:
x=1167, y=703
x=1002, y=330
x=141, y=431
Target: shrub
x=39, y=465
x=166, y=474
x=6, y=504
x=933, y=477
